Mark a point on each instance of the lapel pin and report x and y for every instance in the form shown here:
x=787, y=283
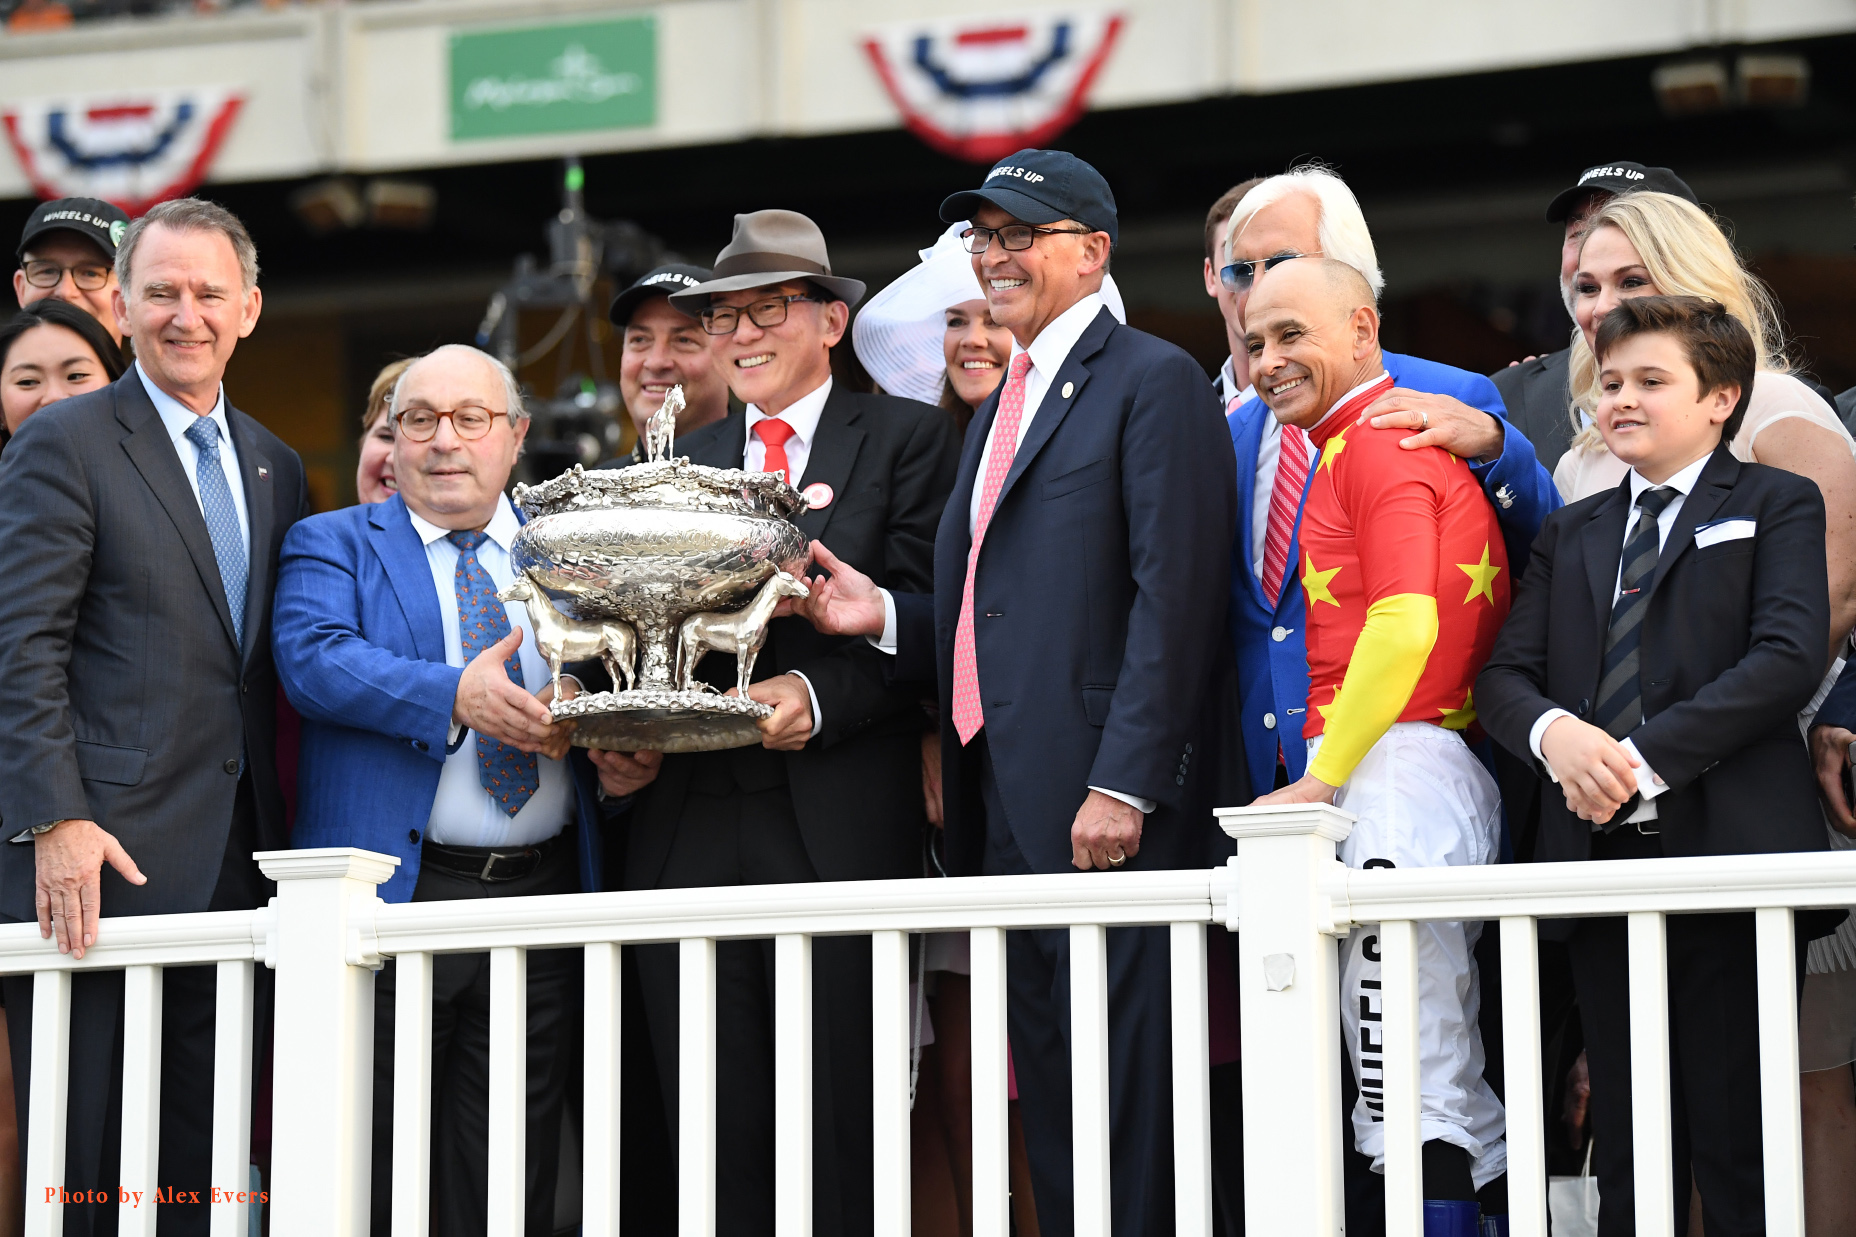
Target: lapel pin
x=1069, y=389
x=264, y=474
x=818, y=494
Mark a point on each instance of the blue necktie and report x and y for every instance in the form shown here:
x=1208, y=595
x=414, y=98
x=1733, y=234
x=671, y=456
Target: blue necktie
x=511, y=776
x=221, y=520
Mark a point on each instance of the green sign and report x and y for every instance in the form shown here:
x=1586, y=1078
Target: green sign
x=554, y=79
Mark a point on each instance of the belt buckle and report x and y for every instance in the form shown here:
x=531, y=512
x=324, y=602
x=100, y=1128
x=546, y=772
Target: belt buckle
x=1648, y=833
x=489, y=862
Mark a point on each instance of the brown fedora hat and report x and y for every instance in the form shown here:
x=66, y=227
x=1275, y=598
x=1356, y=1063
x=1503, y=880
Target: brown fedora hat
x=770, y=247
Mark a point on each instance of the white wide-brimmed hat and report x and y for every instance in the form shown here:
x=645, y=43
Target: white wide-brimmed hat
x=898, y=334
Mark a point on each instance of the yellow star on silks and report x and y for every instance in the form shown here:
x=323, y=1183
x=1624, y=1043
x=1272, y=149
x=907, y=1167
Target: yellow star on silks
x=1327, y=710
x=1331, y=452
x=1481, y=576
x=1316, y=582
x=1458, y=719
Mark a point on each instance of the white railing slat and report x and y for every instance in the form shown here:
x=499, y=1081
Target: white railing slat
x=141, y=1100
x=1778, y=1071
x=1649, y=1075
x=231, y=1155
x=991, y=1157
x=792, y=1085
x=600, y=1162
x=696, y=1088
x=889, y=965
x=1527, y=1149
x=508, y=1107
x=412, y=1095
x=1089, y=1115
x=1192, y=1083
x=1398, y=1002
x=45, y=1103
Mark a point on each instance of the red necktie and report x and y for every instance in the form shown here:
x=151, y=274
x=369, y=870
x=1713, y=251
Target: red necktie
x=968, y=717
x=774, y=432
x=1285, y=500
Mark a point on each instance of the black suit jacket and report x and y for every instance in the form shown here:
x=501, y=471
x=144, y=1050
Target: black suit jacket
x=1099, y=608
x=1733, y=646
x=124, y=698
x=857, y=785
x=1539, y=403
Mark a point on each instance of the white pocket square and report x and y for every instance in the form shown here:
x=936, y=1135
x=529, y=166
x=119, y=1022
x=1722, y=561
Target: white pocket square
x=1723, y=530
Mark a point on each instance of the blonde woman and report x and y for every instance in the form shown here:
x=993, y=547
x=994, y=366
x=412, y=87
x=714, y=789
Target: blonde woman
x=1648, y=244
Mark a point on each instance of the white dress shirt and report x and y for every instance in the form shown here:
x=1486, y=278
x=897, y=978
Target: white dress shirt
x=802, y=414
x=1683, y=483
x=1228, y=391
x=177, y=417
x=463, y=812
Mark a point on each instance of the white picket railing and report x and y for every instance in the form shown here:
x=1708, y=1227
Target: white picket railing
x=327, y=930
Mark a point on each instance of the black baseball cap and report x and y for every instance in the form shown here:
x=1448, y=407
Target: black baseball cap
x=1621, y=176
x=99, y=222
x=1040, y=186
x=661, y=281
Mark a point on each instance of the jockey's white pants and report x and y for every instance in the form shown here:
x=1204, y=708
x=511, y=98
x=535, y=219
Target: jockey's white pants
x=1422, y=799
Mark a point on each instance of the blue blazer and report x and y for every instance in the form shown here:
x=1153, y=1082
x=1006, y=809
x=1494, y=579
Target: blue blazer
x=1271, y=642
x=1098, y=605
x=360, y=651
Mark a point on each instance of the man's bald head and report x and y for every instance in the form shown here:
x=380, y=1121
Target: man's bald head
x=1313, y=335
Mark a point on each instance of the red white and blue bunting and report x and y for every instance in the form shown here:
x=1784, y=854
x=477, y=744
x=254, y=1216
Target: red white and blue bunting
x=979, y=88
x=131, y=149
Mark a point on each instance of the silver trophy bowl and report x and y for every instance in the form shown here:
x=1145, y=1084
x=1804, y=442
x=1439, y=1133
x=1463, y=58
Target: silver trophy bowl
x=657, y=565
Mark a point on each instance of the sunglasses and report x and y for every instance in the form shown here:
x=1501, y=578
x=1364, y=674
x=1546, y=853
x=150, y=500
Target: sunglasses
x=1240, y=275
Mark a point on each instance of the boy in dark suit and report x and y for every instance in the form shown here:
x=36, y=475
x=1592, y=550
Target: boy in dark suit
x=1661, y=643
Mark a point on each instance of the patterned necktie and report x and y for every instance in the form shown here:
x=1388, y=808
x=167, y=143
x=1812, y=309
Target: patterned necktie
x=510, y=776
x=1620, y=691
x=968, y=716
x=1285, y=501
x=774, y=432
x=221, y=520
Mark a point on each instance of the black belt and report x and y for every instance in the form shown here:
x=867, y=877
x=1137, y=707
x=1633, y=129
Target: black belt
x=488, y=863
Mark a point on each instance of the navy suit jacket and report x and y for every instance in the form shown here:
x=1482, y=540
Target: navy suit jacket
x=1098, y=606
x=360, y=650
x=1271, y=641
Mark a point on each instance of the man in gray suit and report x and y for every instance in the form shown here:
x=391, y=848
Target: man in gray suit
x=139, y=531
x=1535, y=390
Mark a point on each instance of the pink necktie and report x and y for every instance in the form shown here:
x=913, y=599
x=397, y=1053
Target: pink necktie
x=968, y=716
x=1285, y=500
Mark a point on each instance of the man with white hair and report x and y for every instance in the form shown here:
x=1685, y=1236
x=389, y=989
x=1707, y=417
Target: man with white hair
x=427, y=736
x=1304, y=213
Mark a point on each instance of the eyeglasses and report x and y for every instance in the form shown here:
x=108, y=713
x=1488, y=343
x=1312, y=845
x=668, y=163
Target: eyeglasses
x=723, y=319
x=1013, y=237
x=469, y=422
x=44, y=273
x=1240, y=275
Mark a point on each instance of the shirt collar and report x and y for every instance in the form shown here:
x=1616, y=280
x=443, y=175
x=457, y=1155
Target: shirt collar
x=1052, y=346
x=1342, y=401
x=802, y=414
x=501, y=529
x=175, y=415
x=1682, y=483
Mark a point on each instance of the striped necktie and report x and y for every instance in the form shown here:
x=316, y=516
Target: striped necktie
x=1620, y=689
x=221, y=514
x=1285, y=502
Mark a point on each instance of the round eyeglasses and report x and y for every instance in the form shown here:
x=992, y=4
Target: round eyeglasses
x=468, y=422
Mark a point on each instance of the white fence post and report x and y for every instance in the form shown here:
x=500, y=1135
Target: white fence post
x=322, y=1098
x=1289, y=996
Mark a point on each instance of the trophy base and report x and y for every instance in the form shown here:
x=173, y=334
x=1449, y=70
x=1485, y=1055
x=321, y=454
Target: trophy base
x=656, y=719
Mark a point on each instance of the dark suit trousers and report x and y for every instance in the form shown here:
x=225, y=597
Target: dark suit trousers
x=1140, y=1063
x=1714, y=1059
x=461, y=1062
x=93, y=1113
x=730, y=835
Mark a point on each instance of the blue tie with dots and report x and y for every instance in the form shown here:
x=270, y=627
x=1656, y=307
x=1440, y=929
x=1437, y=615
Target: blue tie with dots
x=221, y=520
x=511, y=776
